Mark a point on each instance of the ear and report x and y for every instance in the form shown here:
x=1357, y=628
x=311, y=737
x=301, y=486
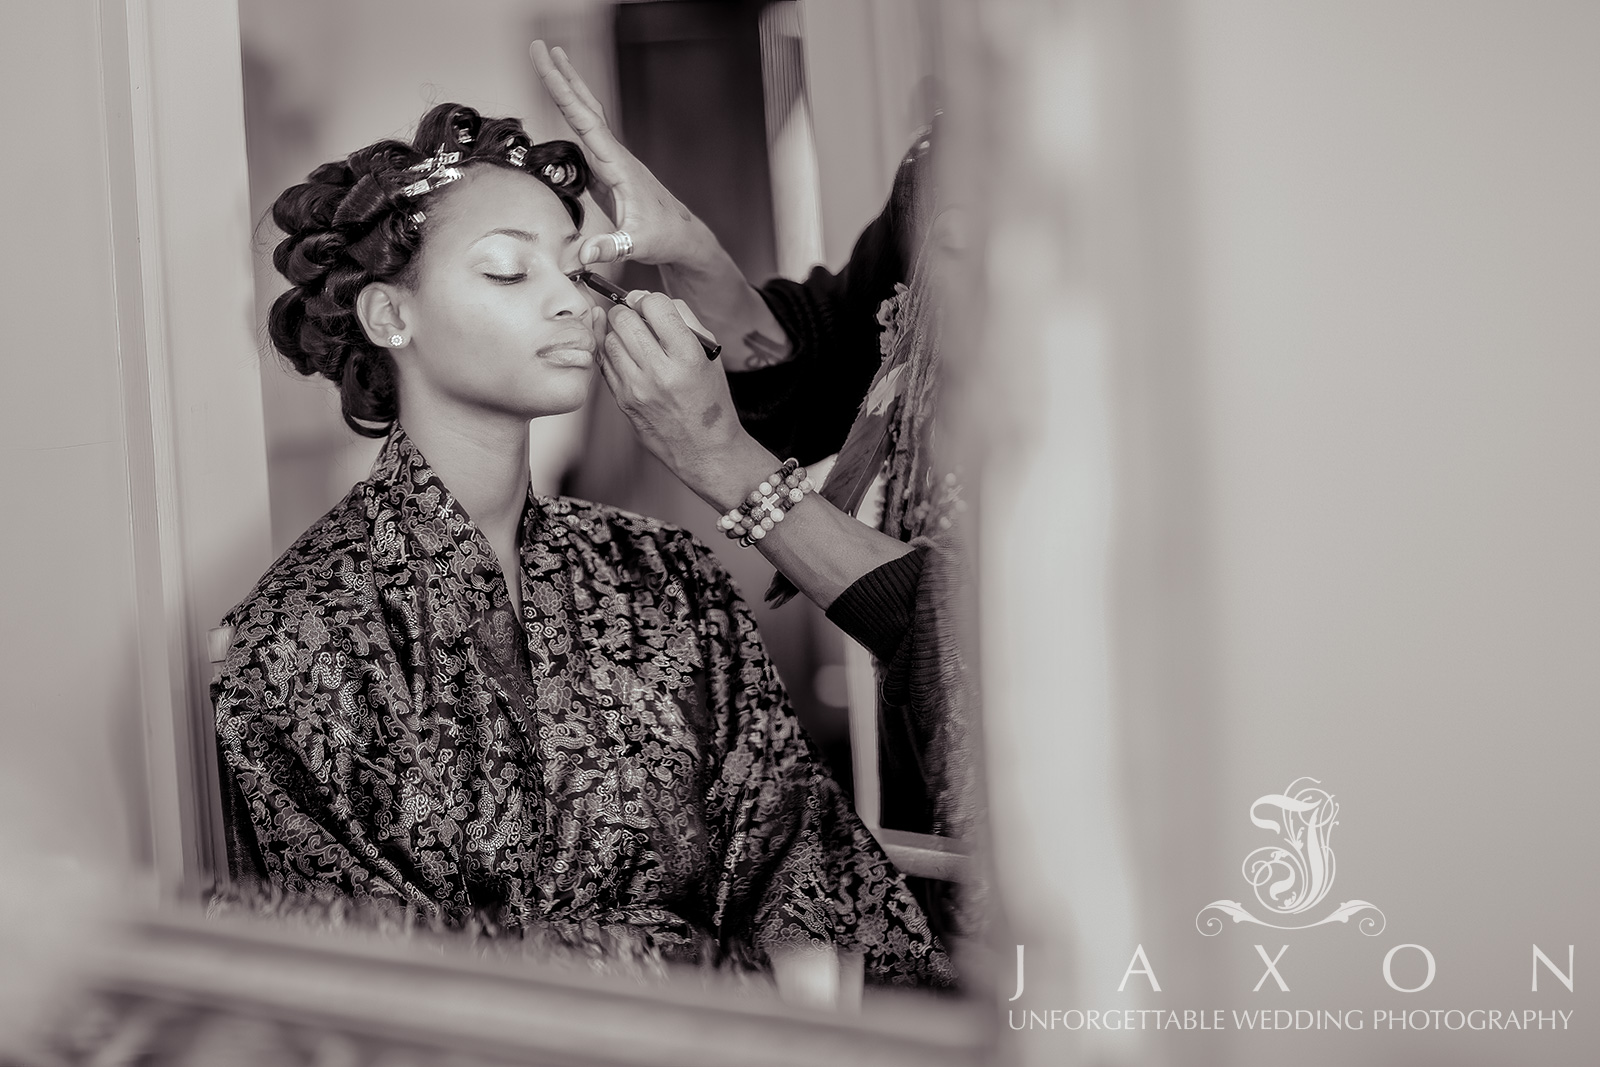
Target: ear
x=380, y=309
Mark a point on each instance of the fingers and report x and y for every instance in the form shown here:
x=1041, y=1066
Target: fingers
x=614, y=378
x=539, y=55
x=598, y=249
x=686, y=313
x=660, y=313
x=579, y=86
x=630, y=342
x=581, y=110
x=556, y=84
x=618, y=359
x=649, y=328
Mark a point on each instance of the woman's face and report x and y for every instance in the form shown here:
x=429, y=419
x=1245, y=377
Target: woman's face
x=495, y=323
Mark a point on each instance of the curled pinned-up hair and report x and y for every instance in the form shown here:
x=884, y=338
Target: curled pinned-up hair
x=363, y=219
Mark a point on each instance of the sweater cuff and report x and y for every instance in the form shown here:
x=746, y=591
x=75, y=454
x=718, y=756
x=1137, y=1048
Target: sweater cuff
x=804, y=311
x=878, y=608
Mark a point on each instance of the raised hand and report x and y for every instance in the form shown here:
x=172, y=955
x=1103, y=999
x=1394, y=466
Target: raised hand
x=693, y=264
x=663, y=230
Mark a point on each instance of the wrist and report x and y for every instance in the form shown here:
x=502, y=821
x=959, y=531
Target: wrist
x=725, y=478
x=698, y=255
x=765, y=506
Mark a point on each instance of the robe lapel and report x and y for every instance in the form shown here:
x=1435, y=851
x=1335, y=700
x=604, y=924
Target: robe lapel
x=435, y=576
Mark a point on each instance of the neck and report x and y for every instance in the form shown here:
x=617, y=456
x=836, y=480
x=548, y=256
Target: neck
x=485, y=466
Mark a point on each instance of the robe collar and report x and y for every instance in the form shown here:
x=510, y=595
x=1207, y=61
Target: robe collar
x=415, y=517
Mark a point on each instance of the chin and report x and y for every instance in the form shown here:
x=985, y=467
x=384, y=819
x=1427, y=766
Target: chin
x=559, y=398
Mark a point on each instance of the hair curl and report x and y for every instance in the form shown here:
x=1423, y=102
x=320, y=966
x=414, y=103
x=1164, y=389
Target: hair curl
x=350, y=224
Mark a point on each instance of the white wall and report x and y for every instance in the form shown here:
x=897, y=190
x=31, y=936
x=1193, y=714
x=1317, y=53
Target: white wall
x=1397, y=265
x=72, y=761
x=1299, y=479
x=72, y=799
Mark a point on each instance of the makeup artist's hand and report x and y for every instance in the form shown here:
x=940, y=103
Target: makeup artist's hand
x=678, y=400
x=663, y=230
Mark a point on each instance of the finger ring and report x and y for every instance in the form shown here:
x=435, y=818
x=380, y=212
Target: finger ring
x=624, y=243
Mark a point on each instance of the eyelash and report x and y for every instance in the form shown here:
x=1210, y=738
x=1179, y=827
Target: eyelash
x=509, y=279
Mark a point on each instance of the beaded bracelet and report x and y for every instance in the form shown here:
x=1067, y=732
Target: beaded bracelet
x=767, y=504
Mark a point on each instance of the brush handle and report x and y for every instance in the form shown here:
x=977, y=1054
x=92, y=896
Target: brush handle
x=617, y=295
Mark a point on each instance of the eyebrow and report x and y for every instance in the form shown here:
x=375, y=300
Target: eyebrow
x=531, y=238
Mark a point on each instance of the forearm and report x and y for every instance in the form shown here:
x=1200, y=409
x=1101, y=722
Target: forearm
x=822, y=550
x=683, y=410
x=707, y=279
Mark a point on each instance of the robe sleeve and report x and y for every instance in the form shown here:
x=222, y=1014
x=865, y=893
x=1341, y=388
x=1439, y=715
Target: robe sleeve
x=795, y=864
x=291, y=709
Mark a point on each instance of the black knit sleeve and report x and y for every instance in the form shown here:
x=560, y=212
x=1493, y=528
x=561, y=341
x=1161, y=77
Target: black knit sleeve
x=879, y=607
x=804, y=406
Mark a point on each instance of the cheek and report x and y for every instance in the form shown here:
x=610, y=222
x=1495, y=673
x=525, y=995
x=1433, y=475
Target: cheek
x=478, y=326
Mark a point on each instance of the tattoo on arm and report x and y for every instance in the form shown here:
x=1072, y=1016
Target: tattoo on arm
x=763, y=351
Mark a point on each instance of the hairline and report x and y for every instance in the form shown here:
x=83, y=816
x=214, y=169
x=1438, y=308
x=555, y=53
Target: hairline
x=407, y=277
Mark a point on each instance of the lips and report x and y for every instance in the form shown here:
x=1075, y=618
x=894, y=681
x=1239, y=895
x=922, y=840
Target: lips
x=569, y=350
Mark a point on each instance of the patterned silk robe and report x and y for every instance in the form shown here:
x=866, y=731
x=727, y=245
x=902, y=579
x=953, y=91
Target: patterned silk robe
x=618, y=767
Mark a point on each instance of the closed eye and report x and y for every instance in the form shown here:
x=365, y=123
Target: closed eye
x=506, y=279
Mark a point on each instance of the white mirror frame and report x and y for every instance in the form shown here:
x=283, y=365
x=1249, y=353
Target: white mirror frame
x=409, y=1004
x=188, y=358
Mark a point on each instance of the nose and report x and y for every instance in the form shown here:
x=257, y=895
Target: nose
x=569, y=299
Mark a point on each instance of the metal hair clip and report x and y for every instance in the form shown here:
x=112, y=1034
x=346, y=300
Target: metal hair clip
x=517, y=155
x=439, y=169
x=560, y=173
x=440, y=158
x=442, y=176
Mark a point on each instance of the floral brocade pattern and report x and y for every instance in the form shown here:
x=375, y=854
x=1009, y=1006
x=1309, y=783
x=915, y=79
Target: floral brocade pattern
x=620, y=769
